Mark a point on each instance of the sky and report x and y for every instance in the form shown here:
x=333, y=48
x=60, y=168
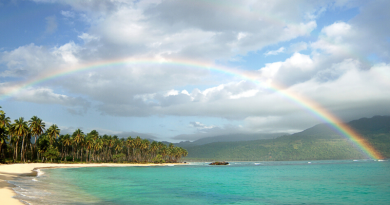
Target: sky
x=180, y=70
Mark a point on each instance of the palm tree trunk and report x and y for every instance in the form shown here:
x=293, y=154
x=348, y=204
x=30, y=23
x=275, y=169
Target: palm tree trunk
x=62, y=152
x=21, y=151
x=32, y=152
x=16, y=151
x=73, y=152
x=35, y=145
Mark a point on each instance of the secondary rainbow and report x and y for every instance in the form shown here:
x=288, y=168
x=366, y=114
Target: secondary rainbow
x=302, y=101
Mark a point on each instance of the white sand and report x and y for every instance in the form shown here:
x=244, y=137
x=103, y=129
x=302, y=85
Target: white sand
x=8, y=172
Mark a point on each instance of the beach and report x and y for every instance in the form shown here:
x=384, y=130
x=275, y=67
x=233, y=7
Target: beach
x=12, y=171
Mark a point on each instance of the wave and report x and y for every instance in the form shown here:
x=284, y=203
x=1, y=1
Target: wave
x=39, y=172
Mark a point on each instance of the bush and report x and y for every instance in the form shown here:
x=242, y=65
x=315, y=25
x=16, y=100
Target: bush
x=118, y=157
x=51, y=153
x=158, y=159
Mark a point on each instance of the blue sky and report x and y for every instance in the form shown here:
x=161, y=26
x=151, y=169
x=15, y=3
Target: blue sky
x=335, y=53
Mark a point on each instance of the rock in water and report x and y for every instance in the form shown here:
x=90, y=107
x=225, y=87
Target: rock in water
x=219, y=163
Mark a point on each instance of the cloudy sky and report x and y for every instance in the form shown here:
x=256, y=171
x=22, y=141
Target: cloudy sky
x=334, y=53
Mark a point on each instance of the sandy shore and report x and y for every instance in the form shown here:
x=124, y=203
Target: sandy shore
x=9, y=172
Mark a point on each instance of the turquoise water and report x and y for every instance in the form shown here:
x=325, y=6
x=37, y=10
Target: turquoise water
x=318, y=182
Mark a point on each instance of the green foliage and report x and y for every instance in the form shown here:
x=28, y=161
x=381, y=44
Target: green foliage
x=319, y=142
x=118, y=157
x=280, y=149
x=43, y=143
x=51, y=153
x=158, y=159
x=69, y=158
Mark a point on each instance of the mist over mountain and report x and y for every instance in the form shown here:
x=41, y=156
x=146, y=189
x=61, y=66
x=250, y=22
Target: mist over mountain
x=376, y=124
x=320, y=142
x=230, y=138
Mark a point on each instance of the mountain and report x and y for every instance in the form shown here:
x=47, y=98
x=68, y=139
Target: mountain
x=229, y=138
x=320, y=142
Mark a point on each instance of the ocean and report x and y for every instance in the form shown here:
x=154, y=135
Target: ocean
x=301, y=182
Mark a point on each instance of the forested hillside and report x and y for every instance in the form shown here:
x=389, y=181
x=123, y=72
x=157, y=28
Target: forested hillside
x=320, y=142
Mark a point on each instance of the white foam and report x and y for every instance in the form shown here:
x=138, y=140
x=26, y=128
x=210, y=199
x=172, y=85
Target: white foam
x=39, y=172
x=257, y=163
x=309, y=162
x=35, y=180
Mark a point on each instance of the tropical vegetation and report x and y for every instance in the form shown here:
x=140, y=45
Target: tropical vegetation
x=32, y=141
x=295, y=147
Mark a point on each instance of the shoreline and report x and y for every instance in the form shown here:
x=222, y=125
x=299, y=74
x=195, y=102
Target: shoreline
x=13, y=171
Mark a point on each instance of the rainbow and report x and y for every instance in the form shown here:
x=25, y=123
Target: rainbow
x=307, y=104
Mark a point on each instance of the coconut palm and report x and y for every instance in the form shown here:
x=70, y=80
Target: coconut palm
x=110, y=144
x=78, y=137
x=129, y=144
x=89, y=143
x=53, y=132
x=4, y=121
x=144, y=148
x=94, y=134
x=3, y=139
x=153, y=149
x=20, y=128
x=66, y=141
x=98, y=146
x=4, y=124
x=37, y=128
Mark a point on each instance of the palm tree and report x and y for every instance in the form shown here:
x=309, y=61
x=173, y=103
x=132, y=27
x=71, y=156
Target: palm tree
x=4, y=121
x=89, y=146
x=153, y=149
x=144, y=148
x=14, y=140
x=21, y=130
x=53, y=132
x=37, y=128
x=137, y=145
x=129, y=143
x=4, y=124
x=94, y=134
x=110, y=144
x=78, y=137
x=66, y=141
x=98, y=146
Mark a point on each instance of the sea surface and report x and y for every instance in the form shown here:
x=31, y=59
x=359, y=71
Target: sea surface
x=302, y=182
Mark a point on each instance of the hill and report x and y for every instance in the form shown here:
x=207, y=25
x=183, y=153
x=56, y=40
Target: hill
x=229, y=138
x=320, y=142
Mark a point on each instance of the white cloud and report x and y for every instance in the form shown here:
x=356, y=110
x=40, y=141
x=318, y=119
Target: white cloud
x=171, y=92
x=335, y=74
x=337, y=30
x=275, y=52
x=32, y=61
x=295, y=69
x=88, y=38
x=47, y=96
x=68, y=14
x=201, y=126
